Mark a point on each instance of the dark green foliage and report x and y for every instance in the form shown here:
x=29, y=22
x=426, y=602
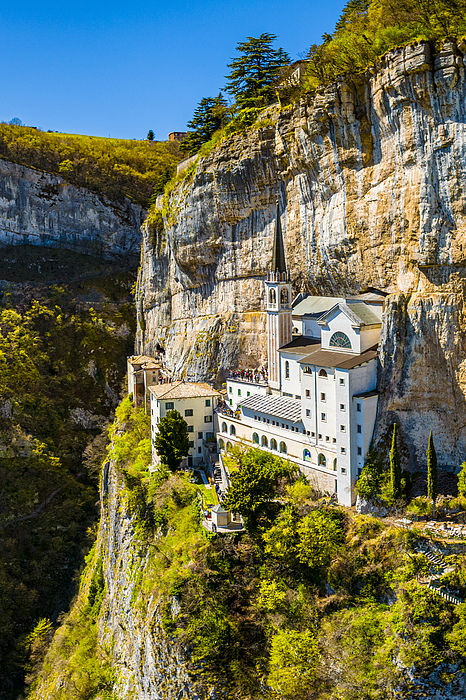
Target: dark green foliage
x=57, y=363
x=254, y=483
x=254, y=75
x=150, y=135
x=116, y=168
x=210, y=115
x=395, y=467
x=432, y=472
x=371, y=478
x=462, y=480
x=171, y=440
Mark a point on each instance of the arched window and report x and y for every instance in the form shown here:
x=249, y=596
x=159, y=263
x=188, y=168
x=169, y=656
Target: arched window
x=232, y=430
x=287, y=370
x=340, y=340
x=228, y=446
x=284, y=296
x=307, y=455
x=272, y=297
x=224, y=427
x=273, y=444
x=323, y=373
x=321, y=460
x=307, y=370
x=283, y=448
x=335, y=464
x=265, y=442
x=221, y=444
x=255, y=438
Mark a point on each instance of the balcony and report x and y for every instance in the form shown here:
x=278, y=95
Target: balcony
x=250, y=376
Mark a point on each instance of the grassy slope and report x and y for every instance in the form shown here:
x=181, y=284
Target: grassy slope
x=266, y=617
x=116, y=168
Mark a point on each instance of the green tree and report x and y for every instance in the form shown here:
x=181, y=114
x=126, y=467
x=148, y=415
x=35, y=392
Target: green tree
x=293, y=663
x=171, y=441
x=395, y=468
x=254, y=74
x=371, y=479
x=462, y=480
x=150, y=135
x=319, y=536
x=210, y=115
x=254, y=483
x=432, y=473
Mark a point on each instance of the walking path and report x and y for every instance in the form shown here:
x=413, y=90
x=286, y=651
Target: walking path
x=435, y=557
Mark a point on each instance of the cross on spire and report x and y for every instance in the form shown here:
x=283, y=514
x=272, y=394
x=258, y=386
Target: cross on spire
x=278, y=254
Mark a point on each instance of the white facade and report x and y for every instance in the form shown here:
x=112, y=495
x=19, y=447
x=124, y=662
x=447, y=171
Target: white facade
x=238, y=389
x=196, y=403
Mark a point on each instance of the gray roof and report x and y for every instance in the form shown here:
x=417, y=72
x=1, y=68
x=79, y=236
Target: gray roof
x=338, y=360
x=278, y=406
x=315, y=306
x=366, y=313
x=301, y=345
x=360, y=314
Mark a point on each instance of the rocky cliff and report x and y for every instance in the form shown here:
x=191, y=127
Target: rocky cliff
x=42, y=209
x=371, y=180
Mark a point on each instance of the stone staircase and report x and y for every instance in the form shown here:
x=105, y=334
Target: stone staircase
x=435, y=557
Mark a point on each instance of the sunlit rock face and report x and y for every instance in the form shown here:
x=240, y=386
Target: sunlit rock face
x=42, y=209
x=371, y=180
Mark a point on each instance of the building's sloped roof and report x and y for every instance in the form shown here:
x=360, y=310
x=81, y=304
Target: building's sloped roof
x=140, y=359
x=277, y=406
x=367, y=314
x=152, y=364
x=300, y=345
x=338, y=360
x=366, y=394
x=182, y=390
x=360, y=314
x=315, y=306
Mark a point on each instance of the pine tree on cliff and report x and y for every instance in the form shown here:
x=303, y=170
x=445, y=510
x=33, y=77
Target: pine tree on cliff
x=432, y=473
x=209, y=115
x=171, y=441
x=395, y=468
x=255, y=73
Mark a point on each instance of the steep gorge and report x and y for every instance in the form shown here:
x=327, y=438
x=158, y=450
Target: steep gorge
x=371, y=180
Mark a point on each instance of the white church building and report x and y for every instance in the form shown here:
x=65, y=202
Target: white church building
x=319, y=404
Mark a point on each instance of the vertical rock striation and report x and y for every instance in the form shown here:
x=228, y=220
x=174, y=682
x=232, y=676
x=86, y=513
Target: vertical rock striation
x=371, y=178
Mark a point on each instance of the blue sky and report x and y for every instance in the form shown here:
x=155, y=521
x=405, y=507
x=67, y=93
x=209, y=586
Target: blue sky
x=119, y=69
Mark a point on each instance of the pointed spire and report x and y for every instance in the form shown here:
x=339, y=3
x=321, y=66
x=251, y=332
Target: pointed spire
x=278, y=256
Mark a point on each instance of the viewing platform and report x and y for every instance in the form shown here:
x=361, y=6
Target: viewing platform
x=250, y=376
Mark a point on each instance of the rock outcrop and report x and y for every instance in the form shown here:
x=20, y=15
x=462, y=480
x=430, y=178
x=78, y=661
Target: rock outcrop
x=370, y=176
x=42, y=209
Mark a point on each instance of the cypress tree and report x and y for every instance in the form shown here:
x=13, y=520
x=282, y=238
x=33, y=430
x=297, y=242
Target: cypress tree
x=395, y=468
x=432, y=473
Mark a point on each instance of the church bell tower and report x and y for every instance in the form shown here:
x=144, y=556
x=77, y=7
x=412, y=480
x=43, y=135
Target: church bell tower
x=278, y=300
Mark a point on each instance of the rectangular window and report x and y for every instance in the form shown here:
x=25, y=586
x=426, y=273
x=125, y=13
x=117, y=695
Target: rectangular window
x=248, y=393
x=327, y=439
x=342, y=407
x=191, y=443
x=359, y=471
x=308, y=412
x=334, y=439
x=209, y=436
x=230, y=390
x=188, y=412
x=360, y=451
x=199, y=435
x=207, y=401
x=231, y=402
x=322, y=397
x=308, y=393
x=342, y=382
x=342, y=428
x=323, y=416
x=207, y=419
x=359, y=428
x=343, y=470
x=320, y=436
x=199, y=449
x=297, y=397
x=190, y=428
x=358, y=407
x=239, y=392
x=313, y=434
x=169, y=405
x=343, y=450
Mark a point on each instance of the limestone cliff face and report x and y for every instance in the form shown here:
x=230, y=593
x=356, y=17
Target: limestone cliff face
x=371, y=180
x=42, y=209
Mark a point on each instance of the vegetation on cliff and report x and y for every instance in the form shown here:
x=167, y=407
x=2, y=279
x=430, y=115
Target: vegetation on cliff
x=115, y=168
x=61, y=368
x=313, y=601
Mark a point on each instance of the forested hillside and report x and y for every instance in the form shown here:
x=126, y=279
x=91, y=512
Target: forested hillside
x=116, y=168
x=62, y=362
